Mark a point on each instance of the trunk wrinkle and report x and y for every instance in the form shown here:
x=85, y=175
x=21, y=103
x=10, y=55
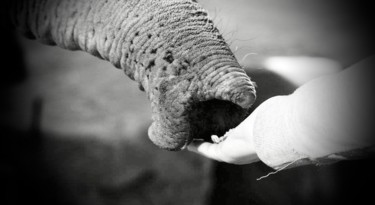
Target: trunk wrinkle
x=170, y=47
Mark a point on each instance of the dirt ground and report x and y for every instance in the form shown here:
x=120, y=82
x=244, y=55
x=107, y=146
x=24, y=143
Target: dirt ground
x=94, y=118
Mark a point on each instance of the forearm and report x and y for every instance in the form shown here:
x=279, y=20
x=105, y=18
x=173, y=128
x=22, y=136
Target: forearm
x=322, y=120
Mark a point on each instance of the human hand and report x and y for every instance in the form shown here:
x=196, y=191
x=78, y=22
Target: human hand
x=235, y=147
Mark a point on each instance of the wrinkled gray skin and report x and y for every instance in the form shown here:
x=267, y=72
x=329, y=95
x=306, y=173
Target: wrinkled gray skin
x=170, y=47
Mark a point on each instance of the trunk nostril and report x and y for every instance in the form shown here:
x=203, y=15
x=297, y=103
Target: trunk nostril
x=214, y=117
x=188, y=109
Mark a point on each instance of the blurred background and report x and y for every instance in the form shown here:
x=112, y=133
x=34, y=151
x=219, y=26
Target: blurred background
x=74, y=129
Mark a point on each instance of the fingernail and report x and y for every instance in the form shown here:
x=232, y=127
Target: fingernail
x=215, y=139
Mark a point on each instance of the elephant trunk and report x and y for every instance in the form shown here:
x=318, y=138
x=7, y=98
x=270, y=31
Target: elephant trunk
x=170, y=47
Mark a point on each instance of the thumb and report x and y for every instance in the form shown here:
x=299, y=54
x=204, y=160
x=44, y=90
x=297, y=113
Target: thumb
x=244, y=130
x=236, y=147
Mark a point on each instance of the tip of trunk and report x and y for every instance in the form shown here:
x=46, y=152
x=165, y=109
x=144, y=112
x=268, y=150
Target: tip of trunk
x=235, y=87
x=183, y=113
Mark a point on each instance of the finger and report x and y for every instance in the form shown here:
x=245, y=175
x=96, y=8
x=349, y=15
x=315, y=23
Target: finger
x=206, y=149
x=233, y=151
x=216, y=139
